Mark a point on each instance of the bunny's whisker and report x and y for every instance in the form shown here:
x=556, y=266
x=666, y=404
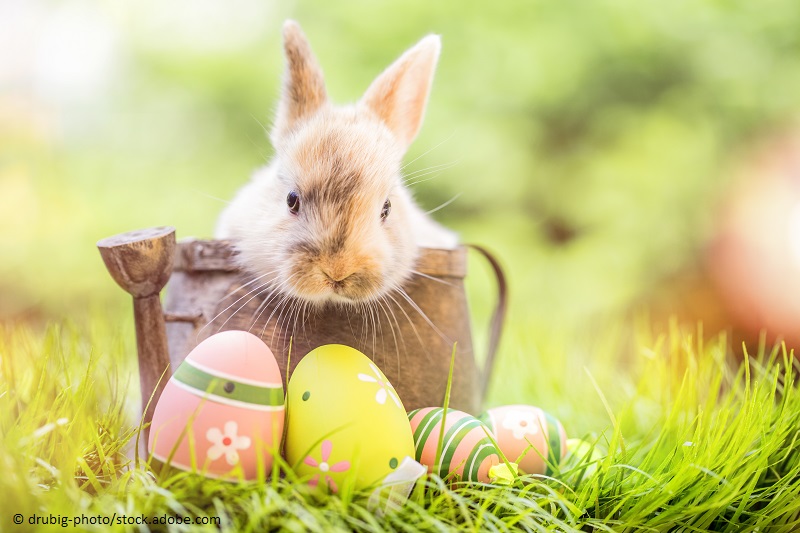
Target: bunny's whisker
x=270, y=291
x=364, y=324
x=408, y=318
x=296, y=311
x=255, y=290
x=417, y=182
x=428, y=170
x=257, y=145
x=432, y=278
x=395, y=323
x=240, y=287
x=379, y=304
x=377, y=331
x=305, y=307
x=284, y=321
x=282, y=305
x=379, y=319
x=245, y=295
x=205, y=194
x=279, y=303
x=261, y=307
x=442, y=206
x=275, y=291
x=426, y=152
x=414, y=305
x=376, y=327
x=294, y=314
x=370, y=327
x=350, y=324
x=399, y=331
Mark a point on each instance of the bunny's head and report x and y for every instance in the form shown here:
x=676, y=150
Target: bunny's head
x=329, y=220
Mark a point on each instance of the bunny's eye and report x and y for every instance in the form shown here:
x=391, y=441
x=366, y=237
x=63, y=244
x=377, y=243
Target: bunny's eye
x=387, y=208
x=293, y=201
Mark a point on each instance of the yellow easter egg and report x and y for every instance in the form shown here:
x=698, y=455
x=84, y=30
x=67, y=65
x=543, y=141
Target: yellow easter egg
x=345, y=421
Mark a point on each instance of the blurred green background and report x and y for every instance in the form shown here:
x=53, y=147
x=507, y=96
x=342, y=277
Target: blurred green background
x=592, y=145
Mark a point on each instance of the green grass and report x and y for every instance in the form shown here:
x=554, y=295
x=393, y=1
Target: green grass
x=696, y=441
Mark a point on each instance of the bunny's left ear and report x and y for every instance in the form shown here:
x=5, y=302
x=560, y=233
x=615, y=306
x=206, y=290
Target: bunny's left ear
x=398, y=96
x=303, y=84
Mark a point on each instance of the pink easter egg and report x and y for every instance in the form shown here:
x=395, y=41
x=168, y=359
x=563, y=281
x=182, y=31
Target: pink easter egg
x=222, y=412
x=467, y=451
x=528, y=436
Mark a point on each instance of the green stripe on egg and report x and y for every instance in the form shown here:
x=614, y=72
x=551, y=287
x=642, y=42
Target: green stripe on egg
x=482, y=450
x=453, y=438
x=227, y=390
x=425, y=428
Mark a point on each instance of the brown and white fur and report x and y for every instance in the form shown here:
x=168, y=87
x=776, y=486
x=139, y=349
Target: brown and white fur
x=311, y=222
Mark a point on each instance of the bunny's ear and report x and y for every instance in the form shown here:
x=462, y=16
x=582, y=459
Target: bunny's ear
x=398, y=96
x=303, y=85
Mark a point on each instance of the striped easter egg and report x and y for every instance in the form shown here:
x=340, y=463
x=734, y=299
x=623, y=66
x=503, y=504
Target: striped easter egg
x=528, y=436
x=222, y=412
x=467, y=451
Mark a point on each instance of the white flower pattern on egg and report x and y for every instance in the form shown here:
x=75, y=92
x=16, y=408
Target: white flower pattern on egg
x=385, y=388
x=227, y=443
x=521, y=423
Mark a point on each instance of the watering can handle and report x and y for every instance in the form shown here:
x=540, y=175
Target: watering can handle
x=498, y=317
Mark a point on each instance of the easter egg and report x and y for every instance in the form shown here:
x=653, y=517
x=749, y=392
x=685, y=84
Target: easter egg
x=346, y=423
x=528, y=436
x=581, y=460
x=221, y=413
x=467, y=451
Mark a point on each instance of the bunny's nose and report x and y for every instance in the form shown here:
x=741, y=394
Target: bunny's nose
x=337, y=275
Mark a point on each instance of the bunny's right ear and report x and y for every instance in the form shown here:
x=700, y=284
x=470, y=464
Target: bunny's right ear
x=303, y=85
x=399, y=95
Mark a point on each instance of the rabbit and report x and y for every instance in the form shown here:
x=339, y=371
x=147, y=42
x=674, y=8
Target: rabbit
x=329, y=219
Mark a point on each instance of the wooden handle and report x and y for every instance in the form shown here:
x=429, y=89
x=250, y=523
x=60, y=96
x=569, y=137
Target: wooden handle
x=151, y=345
x=498, y=318
x=141, y=263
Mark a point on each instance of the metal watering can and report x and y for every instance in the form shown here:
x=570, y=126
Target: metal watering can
x=411, y=341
